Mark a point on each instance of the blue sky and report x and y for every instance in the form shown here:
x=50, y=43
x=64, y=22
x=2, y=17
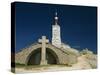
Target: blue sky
x=78, y=24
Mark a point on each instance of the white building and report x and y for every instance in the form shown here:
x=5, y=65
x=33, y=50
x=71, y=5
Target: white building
x=56, y=34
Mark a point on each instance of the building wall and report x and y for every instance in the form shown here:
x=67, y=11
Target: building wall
x=56, y=37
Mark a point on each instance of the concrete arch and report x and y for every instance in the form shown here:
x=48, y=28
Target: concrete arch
x=54, y=54
x=29, y=56
x=22, y=57
x=52, y=51
x=48, y=50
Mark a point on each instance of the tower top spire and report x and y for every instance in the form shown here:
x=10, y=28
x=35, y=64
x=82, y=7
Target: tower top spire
x=56, y=14
x=56, y=18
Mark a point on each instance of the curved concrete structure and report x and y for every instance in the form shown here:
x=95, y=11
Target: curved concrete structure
x=62, y=56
